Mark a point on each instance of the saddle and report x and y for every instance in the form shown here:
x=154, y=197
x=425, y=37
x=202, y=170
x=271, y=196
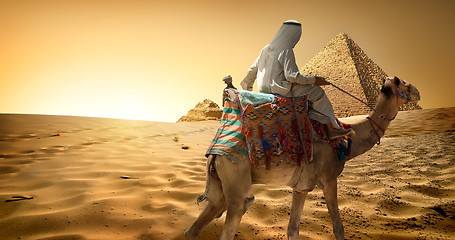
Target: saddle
x=267, y=129
x=270, y=130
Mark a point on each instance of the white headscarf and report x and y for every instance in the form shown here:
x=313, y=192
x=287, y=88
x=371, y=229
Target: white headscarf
x=287, y=36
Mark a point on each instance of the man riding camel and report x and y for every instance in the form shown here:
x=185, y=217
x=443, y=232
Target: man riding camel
x=277, y=73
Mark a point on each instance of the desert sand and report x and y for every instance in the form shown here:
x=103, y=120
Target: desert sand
x=67, y=177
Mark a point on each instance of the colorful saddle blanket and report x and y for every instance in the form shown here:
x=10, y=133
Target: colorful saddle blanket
x=268, y=129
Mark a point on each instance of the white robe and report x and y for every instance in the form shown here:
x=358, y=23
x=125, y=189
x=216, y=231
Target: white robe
x=277, y=73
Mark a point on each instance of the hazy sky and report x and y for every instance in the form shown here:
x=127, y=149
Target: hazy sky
x=155, y=60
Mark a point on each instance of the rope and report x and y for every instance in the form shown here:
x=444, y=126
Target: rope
x=366, y=104
x=380, y=128
x=298, y=127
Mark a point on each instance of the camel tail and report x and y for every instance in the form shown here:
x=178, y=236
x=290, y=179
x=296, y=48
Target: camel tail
x=210, y=161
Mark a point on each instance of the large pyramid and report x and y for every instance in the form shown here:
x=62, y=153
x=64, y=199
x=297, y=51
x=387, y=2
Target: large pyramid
x=345, y=64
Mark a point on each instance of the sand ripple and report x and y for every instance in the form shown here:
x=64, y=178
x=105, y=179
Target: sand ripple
x=91, y=178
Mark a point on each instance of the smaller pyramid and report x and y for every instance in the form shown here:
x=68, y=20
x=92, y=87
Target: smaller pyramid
x=203, y=111
x=347, y=66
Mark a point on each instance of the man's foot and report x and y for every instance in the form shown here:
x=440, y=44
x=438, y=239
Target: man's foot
x=336, y=133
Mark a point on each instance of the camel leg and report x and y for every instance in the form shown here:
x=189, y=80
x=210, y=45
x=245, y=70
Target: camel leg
x=330, y=194
x=236, y=185
x=214, y=207
x=298, y=200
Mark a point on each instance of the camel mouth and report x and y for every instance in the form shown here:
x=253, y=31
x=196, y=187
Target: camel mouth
x=414, y=93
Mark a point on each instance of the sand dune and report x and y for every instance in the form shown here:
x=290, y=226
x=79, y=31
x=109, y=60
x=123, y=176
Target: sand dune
x=90, y=178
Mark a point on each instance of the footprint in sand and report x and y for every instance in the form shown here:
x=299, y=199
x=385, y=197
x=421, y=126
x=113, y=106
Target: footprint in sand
x=19, y=198
x=128, y=177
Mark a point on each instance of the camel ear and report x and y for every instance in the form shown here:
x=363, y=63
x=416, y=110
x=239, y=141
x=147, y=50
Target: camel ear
x=396, y=81
x=386, y=90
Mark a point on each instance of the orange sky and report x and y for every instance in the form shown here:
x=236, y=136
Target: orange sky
x=155, y=60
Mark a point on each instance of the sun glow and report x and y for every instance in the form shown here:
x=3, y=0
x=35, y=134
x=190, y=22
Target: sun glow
x=131, y=109
x=154, y=60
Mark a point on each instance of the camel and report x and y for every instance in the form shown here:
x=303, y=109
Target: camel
x=229, y=183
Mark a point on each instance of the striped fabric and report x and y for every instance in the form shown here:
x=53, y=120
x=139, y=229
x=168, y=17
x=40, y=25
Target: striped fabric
x=229, y=141
x=278, y=132
x=267, y=134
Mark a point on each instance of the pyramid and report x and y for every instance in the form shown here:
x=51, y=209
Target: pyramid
x=343, y=63
x=203, y=111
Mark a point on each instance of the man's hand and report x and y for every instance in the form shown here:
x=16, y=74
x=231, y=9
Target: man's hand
x=320, y=81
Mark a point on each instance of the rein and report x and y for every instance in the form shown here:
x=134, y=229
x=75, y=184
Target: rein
x=356, y=98
x=379, y=127
x=401, y=94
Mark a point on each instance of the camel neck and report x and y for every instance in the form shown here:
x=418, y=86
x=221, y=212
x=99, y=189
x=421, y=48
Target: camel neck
x=382, y=116
x=370, y=131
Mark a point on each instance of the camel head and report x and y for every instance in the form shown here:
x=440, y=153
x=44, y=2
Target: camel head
x=393, y=87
